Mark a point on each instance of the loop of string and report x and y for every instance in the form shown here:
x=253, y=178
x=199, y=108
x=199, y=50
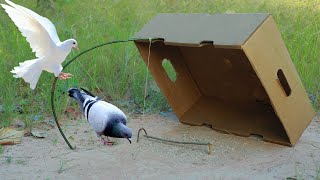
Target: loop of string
x=146, y=82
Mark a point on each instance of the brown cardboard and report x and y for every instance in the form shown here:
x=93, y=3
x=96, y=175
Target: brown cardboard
x=233, y=73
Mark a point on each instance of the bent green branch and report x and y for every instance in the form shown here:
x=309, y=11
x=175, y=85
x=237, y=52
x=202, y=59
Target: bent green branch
x=66, y=65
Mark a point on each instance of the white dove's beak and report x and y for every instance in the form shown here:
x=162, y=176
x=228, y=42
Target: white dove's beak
x=76, y=47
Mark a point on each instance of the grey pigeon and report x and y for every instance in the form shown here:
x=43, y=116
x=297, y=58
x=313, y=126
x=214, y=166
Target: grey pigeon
x=105, y=118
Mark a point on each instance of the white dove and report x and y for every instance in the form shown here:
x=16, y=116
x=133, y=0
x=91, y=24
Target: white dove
x=44, y=41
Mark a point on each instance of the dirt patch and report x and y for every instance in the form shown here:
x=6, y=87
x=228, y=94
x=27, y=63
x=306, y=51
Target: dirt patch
x=234, y=157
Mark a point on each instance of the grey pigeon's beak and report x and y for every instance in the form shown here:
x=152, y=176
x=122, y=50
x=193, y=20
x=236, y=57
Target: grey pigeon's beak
x=129, y=139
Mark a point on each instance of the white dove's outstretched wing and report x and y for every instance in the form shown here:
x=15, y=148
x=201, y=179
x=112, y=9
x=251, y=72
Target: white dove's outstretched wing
x=46, y=23
x=39, y=31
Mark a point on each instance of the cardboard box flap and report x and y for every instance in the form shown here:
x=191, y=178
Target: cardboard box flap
x=221, y=29
x=280, y=79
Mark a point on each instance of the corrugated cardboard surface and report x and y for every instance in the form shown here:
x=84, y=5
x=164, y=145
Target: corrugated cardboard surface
x=223, y=29
x=233, y=89
x=267, y=53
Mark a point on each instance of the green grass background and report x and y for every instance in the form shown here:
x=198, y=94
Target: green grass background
x=118, y=70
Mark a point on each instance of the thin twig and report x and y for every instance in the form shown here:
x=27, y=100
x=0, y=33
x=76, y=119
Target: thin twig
x=59, y=155
x=173, y=141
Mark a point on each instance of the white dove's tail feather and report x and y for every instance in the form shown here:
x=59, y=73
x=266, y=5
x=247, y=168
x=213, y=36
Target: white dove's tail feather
x=29, y=70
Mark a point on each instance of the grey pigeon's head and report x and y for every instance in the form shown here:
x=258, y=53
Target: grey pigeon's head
x=80, y=95
x=119, y=130
x=76, y=94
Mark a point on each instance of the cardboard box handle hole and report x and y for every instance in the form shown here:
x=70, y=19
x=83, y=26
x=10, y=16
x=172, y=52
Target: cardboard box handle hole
x=168, y=67
x=283, y=82
x=206, y=43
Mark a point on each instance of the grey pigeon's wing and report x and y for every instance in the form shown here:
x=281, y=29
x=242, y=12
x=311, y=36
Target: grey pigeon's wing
x=102, y=115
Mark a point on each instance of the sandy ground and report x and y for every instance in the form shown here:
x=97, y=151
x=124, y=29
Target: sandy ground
x=234, y=157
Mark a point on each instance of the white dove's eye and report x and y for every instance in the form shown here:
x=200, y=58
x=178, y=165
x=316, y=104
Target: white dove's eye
x=74, y=43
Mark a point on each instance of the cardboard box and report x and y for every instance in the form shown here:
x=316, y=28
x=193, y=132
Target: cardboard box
x=233, y=73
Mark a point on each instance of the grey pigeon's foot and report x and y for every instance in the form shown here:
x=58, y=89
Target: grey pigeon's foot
x=64, y=76
x=106, y=142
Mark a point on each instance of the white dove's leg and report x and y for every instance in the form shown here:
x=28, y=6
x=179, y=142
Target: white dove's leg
x=30, y=71
x=64, y=76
